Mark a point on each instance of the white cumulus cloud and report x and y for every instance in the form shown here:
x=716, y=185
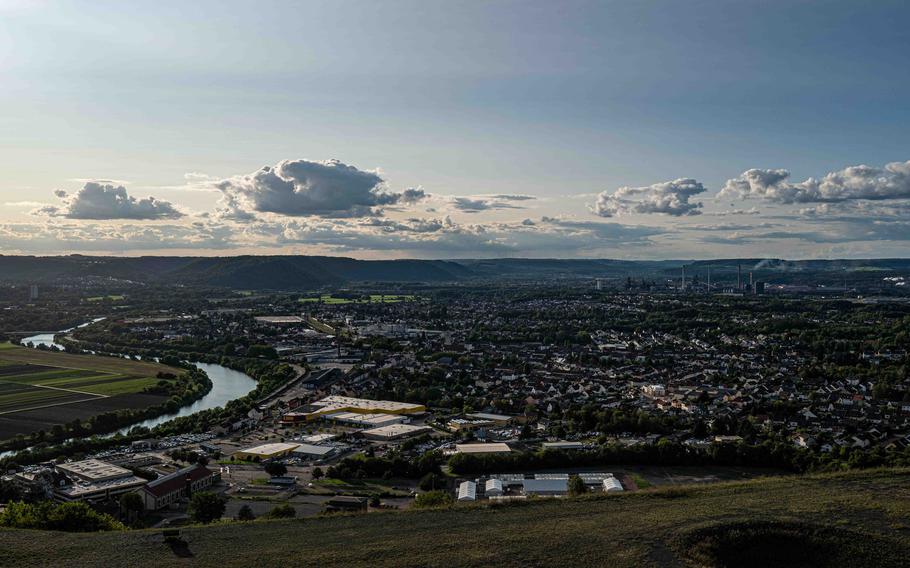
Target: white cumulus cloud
x=668, y=198
x=302, y=188
x=851, y=183
x=100, y=201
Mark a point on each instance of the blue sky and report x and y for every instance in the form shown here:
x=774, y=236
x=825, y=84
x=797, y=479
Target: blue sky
x=565, y=102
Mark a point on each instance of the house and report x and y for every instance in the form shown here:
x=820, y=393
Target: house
x=173, y=487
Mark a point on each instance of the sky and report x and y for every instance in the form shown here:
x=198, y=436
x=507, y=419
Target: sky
x=431, y=129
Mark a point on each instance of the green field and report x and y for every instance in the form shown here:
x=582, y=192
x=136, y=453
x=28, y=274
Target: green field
x=111, y=297
x=32, y=379
x=373, y=299
x=10, y=353
x=856, y=519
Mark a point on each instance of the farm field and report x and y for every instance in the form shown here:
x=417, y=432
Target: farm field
x=39, y=389
x=843, y=520
x=373, y=299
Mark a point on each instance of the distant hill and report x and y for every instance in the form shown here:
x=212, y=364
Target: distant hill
x=308, y=272
x=844, y=520
x=243, y=272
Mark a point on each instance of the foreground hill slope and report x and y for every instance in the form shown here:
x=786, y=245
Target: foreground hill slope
x=849, y=519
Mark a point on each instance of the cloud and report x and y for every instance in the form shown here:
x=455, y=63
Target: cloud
x=67, y=237
x=478, y=203
x=851, y=183
x=303, y=188
x=100, y=201
x=513, y=197
x=668, y=198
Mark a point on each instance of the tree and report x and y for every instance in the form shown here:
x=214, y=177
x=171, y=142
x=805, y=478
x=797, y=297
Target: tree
x=131, y=503
x=431, y=481
x=276, y=469
x=577, y=486
x=205, y=507
x=283, y=511
x=246, y=514
x=317, y=473
x=47, y=515
x=432, y=499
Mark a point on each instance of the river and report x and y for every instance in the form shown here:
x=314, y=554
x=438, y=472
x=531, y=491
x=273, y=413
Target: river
x=227, y=384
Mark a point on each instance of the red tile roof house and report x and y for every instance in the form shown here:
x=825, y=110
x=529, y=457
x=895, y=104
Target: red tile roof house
x=173, y=487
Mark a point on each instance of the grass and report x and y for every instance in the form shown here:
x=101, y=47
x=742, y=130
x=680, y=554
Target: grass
x=111, y=297
x=852, y=514
x=640, y=481
x=36, y=379
x=18, y=354
x=358, y=487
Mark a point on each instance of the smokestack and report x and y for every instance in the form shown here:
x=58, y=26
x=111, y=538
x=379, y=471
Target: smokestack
x=739, y=276
x=683, y=278
x=709, y=279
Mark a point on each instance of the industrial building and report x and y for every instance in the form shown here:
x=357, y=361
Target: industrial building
x=562, y=445
x=336, y=404
x=279, y=320
x=92, y=480
x=521, y=486
x=395, y=432
x=488, y=448
x=546, y=487
x=311, y=452
x=266, y=451
x=359, y=420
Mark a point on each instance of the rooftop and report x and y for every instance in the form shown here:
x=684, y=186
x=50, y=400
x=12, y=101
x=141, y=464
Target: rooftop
x=489, y=448
x=93, y=470
x=270, y=449
x=345, y=402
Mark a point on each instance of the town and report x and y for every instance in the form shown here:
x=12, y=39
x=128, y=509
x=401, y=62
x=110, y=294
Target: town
x=378, y=399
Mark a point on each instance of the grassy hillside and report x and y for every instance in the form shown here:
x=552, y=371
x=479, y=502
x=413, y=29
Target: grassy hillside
x=849, y=519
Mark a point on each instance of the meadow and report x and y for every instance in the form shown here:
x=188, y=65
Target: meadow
x=35, y=385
